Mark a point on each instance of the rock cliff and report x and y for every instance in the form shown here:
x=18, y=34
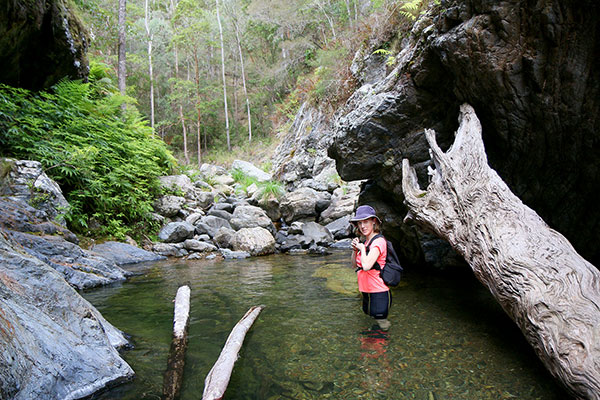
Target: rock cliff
x=531, y=74
x=41, y=41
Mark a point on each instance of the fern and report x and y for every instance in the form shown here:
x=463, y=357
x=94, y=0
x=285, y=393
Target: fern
x=105, y=159
x=412, y=9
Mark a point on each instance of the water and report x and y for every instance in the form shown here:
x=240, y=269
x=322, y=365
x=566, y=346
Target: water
x=448, y=339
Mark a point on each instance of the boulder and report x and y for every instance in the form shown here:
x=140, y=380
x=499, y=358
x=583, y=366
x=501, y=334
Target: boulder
x=224, y=183
x=340, y=228
x=204, y=199
x=248, y=216
x=123, y=253
x=303, y=203
x=256, y=241
x=251, y=170
x=317, y=233
x=17, y=215
x=55, y=345
x=170, y=249
x=80, y=268
x=178, y=183
x=175, y=232
x=169, y=206
x=25, y=179
x=223, y=237
x=197, y=245
x=294, y=242
x=210, y=225
x=271, y=206
x=233, y=255
x=343, y=202
x=224, y=206
x=210, y=170
x=194, y=217
x=220, y=213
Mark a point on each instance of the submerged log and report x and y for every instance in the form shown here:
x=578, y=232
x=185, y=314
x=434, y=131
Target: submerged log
x=174, y=375
x=544, y=285
x=217, y=379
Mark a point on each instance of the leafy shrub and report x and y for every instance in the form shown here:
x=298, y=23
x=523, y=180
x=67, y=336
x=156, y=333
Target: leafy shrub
x=104, y=157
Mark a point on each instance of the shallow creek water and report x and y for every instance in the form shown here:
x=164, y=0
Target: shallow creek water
x=448, y=339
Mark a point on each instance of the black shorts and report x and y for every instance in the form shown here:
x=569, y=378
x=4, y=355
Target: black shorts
x=378, y=304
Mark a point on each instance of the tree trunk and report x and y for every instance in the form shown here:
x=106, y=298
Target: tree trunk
x=179, y=106
x=217, y=379
x=239, y=44
x=122, y=66
x=174, y=375
x=150, y=73
x=549, y=290
x=223, y=74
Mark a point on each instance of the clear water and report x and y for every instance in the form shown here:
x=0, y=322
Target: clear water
x=448, y=339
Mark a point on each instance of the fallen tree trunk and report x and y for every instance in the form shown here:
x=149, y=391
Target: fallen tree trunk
x=174, y=375
x=217, y=379
x=549, y=290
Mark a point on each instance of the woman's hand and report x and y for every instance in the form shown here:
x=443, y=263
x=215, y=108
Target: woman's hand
x=355, y=244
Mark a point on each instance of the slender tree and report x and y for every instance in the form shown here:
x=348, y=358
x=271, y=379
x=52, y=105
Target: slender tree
x=150, y=36
x=239, y=45
x=179, y=106
x=223, y=75
x=122, y=69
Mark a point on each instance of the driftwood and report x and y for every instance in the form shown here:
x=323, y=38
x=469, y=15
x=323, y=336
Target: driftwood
x=549, y=290
x=217, y=379
x=174, y=375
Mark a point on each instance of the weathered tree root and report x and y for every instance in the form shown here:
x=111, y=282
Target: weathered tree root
x=217, y=379
x=549, y=290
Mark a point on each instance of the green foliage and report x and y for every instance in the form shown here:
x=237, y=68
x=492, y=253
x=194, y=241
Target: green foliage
x=105, y=159
x=412, y=9
x=242, y=179
x=270, y=189
x=391, y=60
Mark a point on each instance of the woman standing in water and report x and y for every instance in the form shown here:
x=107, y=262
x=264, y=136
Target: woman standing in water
x=377, y=298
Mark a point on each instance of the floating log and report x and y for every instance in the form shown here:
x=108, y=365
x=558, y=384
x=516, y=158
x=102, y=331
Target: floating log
x=174, y=374
x=545, y=286
x=217, y=379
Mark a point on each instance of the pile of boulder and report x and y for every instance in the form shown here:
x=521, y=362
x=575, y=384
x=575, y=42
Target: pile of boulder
x=207, y=213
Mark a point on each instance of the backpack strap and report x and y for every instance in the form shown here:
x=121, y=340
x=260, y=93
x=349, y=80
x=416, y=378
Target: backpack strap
x=375, y=266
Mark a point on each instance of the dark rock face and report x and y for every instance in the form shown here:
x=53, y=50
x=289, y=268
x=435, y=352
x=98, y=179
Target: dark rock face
x=41, y=42
x=530, y=70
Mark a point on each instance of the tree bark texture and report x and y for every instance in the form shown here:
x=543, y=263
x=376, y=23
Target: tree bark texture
x=174, y=375
x=546, y=287
x=217, y=379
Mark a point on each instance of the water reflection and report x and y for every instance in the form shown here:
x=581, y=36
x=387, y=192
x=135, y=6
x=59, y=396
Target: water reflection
x=448, y=339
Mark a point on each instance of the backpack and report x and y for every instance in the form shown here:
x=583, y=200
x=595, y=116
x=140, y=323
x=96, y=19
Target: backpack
x=391, y=273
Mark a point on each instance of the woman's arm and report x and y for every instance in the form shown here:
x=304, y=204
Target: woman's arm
x=368, y=260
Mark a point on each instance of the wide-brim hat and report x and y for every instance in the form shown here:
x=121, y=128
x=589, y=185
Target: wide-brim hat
x=364, y=212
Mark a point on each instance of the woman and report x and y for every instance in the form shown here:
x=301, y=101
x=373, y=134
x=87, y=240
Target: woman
x=377, y=298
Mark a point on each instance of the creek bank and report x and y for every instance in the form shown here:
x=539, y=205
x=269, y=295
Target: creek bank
x=55, y=344
x=210, y=215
